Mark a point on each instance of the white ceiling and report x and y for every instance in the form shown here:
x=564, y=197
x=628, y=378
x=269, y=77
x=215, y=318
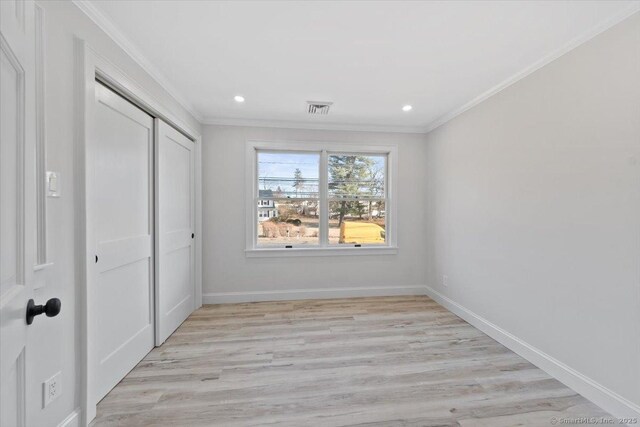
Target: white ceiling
x=369, y=58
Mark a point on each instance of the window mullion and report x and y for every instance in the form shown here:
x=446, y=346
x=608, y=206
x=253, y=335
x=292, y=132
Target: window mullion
x=324, y=204
x=256, y=193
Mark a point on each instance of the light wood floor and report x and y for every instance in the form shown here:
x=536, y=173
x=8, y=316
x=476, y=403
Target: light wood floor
x=391, y=361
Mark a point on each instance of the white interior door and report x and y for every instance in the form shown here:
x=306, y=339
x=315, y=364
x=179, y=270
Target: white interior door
x=17, y=205
x=121, y=292
x=175, y=249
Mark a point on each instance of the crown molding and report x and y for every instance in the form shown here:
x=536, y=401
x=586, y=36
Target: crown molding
x=291, y=124
x=106, y=25
x=634, y=7
x=125, y=44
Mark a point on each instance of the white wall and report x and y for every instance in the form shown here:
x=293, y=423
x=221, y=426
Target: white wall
x=54, y=343
x=532, y=204
x=534, y=209
x=230, y=276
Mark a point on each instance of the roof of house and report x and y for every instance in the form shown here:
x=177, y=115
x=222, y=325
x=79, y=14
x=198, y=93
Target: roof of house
x=265, y=193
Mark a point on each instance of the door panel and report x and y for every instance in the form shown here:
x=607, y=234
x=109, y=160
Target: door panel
x=175, y=206
x=115, y=253
x=12, y=89
x=12, y=393
x=128, y=319
x=17, y=205
x=122, y=294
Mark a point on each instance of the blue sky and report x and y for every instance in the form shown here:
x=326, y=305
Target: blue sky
x=281, y=165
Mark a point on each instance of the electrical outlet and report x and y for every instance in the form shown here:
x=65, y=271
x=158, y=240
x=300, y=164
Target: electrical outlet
x=52, y=389
x=445, y=280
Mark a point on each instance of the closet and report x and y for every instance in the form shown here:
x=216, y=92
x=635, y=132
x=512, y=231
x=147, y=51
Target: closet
x=141, y=211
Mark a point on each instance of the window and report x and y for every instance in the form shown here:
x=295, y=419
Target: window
x=288, y=198
x=310, y=199
x=356, y=198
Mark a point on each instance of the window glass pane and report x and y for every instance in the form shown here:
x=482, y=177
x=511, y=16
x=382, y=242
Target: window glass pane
x=288, y=175
x=356, y=176
x=288, y=222
x=357, y=222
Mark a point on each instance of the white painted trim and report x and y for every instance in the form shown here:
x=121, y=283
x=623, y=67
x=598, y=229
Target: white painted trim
x=41, y=137
x=128, y=47
x=40, y=267
x=323, y=192
x=72, y=420
x=198, y=224
x=119, y=81
x=21, y=143
x=250, y=173
x=572, y=44
x=587, y=387
x=84, y=68
x=320, y=251
x=292, y=124
x=106, y=25
x=301, y=294
x=319, y=147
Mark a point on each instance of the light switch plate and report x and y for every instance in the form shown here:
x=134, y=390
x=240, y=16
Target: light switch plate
x=53, y=184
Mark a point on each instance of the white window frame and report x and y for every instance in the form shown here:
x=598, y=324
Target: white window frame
x=252, y=249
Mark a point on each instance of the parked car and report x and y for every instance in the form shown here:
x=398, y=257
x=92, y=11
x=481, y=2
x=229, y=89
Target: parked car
x=361, y=232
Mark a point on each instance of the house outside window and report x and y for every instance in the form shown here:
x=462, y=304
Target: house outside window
x=266, y=207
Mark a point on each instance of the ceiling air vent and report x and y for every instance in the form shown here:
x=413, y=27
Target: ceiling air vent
x=316, y=107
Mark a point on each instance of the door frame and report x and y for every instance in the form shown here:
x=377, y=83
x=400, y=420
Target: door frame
x=90, y=65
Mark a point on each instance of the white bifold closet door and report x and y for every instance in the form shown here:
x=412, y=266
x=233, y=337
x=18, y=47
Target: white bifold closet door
x=175, y=249
x=122, y=294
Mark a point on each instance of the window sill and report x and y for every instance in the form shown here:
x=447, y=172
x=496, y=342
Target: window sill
x=296, y=252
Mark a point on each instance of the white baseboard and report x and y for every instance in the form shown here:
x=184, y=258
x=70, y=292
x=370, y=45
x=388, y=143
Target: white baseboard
x=608, y=400
x=298, y=294
x=72, y=420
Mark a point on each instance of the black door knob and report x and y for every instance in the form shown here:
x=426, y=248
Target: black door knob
x=51, y=309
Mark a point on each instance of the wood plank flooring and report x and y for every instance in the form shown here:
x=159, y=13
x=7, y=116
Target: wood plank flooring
x=388, y=361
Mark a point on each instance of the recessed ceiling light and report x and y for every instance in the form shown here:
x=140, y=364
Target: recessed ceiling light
x=407, y=108
x=239, y=98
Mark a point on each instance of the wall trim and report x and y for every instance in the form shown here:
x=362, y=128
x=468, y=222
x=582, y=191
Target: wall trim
x=572, y=44
x=301, y=294
x=129, y=48
x=106, y=25
x=72, y=420
x=41, y=138
x=291, y=124
x=595, y=392
x=280, y=252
